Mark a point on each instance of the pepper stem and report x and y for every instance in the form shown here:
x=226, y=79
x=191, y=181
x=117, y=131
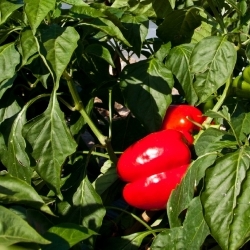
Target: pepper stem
x=216, y=107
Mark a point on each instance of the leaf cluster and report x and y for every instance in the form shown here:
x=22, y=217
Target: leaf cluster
x=79, y=85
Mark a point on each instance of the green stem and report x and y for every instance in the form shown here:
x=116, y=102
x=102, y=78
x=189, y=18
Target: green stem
x=80, y=108
x=135, y=217
x=216, y=107
x=117, y=49
x=110, y=113
x=33, y=85
x=94, y=153
x=66, y=104
x=110, y=151
x=217, y=16
x=220, y=101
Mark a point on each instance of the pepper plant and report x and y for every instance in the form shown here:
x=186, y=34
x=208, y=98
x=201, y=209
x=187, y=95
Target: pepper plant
x=64, y=73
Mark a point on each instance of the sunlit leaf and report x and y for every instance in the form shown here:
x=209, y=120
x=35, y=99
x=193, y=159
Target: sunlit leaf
x=36, y=11
x=212, y=62
x=195, y=228
x=7, y=66
x=7, y=8
x=177, y=59
x=173, y=239
x=214, y=140
x=225, y=199
x=59, y=44
x=28, y=45
x=184, y=192
x=51, y=142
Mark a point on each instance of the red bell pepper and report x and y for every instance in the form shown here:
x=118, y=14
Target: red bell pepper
x=153, y=154
x=152, y=192
x=180, y=117
x=154, y=166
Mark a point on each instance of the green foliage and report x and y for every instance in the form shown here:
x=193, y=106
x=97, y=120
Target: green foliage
x=74, y=96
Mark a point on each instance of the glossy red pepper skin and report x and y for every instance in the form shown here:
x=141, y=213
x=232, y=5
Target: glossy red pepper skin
x=155, y=153
x=177, y=117
x=152, y=192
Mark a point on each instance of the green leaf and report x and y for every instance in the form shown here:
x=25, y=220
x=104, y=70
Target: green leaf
x=99, y=20
x=224, y=114
x=100, y=51
x=178, y=26
x=27, y=46
x=107, y=177
x=7, y=8
x=163, y=52
x=128, y=242
x=135, y=31
x=147, y=87
x=88, y=206
x=151, y=8
x=59, y=44
x=109, y=28
x=84, y=12
x=13, y=229
x=214, y=140
x=162, y=8
x=212, y=62
x=120, y=3
x=173, y=239
x=241, y=125
x=34, y=217
x=225, y=199
x=207, y=28
x=39, y=70
x=75, y=2
x=7, y=66
x=6, y=84
x=65, y=235
x=177, y=59
x=16, y=159
x=51, y=142
x=184, y=192
x=9, y=106
x=14, y=190
x=195, y=228
x=37, y=10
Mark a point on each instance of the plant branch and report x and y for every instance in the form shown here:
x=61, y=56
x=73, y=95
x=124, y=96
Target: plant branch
x=66, y=104
x=79, y=107
x=142, y=221
x=217, y=16
x=106, y=142
x=110, y=113
x=94, y=153
x=117, y=49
